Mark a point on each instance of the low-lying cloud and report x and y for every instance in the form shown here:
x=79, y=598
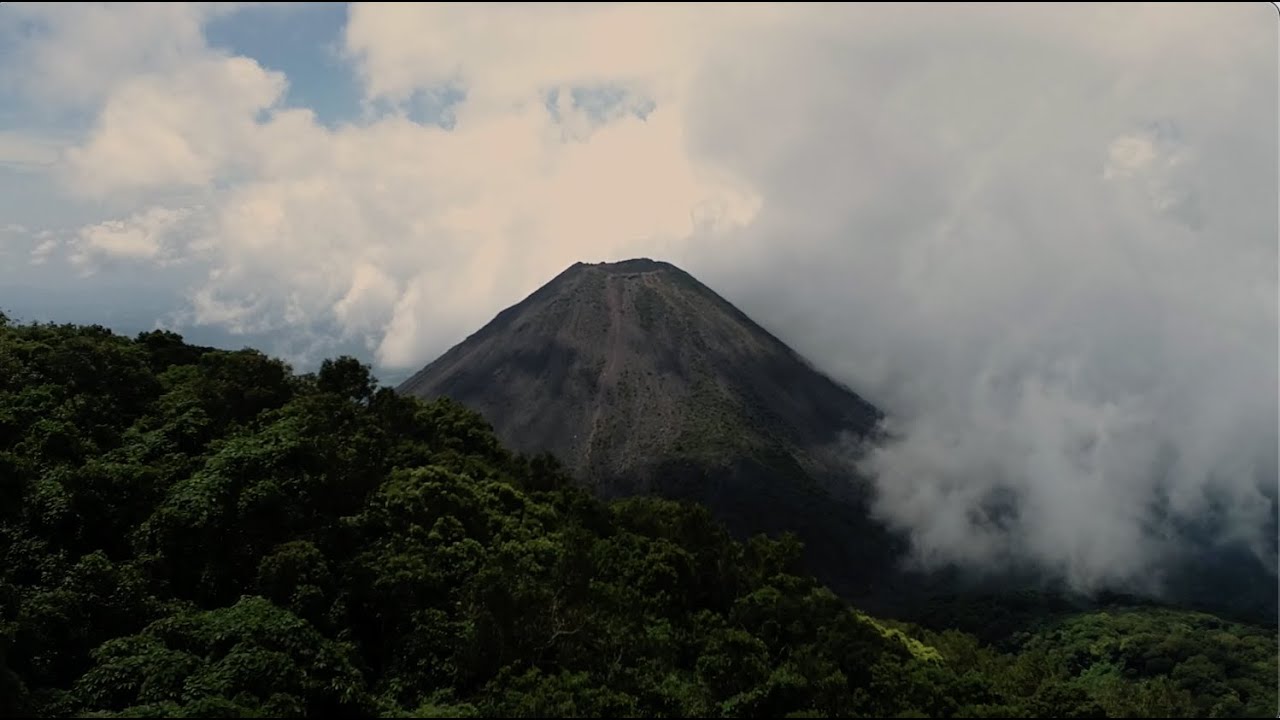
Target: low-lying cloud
x=1043, y=240
x=1048, y=249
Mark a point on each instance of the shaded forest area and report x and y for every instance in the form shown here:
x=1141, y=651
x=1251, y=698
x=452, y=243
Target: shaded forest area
x=189, y=532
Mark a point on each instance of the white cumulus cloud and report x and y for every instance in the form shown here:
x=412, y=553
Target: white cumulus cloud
x=147, y=235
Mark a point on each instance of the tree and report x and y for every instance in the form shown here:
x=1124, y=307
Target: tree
x=188, y=532
x=252, y=657
x=346, y=377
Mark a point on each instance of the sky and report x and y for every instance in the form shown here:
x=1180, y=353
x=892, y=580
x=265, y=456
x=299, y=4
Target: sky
x=1043, y=239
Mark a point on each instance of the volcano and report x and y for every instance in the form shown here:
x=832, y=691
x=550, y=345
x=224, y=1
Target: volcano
x=641, y=379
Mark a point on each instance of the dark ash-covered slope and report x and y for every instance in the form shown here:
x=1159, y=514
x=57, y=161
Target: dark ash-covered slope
x=641, y=379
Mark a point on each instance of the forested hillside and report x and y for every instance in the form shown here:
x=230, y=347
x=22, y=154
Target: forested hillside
x=189, y=532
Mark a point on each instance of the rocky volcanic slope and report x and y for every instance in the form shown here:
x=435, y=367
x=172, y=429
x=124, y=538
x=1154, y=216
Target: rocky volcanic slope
x=608, y=366
x=641, y=379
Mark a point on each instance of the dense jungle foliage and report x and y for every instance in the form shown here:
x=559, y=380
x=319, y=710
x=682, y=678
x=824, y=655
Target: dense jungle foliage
x=190, y=532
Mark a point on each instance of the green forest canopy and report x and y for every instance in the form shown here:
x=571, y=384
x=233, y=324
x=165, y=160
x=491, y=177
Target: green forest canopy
x=189, y=532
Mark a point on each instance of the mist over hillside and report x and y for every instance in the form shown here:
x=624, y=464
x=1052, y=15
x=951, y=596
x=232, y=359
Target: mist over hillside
x=643, y=380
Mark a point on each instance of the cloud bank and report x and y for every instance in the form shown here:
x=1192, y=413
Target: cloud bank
x=1043, y=239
